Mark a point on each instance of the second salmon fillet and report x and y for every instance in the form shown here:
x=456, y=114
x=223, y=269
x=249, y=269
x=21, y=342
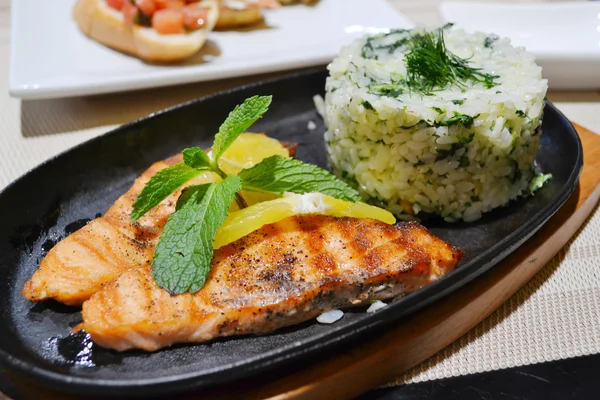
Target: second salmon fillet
x=280, y=275
x=80, y=264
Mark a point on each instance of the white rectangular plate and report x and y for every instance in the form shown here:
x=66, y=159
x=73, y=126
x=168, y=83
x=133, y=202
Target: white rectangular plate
x=50, y=57
x=564, y=37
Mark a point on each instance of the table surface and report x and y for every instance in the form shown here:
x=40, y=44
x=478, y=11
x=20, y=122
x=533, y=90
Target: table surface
x=560, y=307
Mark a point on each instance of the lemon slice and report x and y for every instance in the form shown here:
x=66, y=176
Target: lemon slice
x=242, y=222
x=250, y=149
x=246, y=151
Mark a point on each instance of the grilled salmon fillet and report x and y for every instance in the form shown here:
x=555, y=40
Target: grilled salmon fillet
x=79, y=265
x=282, y=274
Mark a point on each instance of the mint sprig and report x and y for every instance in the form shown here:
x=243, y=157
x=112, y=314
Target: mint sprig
x=195, y=157
x=195, y=160
x=160, y=186
x=183, y=255
x=188, y=192
x=278, y=175
x=238, y=121
x=185, y=249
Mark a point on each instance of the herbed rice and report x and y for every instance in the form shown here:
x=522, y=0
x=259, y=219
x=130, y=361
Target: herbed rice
x=456, y=152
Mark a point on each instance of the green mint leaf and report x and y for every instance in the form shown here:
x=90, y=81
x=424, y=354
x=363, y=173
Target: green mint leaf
x=188, y=192
x=238, y=121
x=278, y=174
x=161, y=185
x=183, y=255
x=195, y=157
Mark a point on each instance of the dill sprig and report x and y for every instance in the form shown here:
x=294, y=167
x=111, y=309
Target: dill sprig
x=431, y=66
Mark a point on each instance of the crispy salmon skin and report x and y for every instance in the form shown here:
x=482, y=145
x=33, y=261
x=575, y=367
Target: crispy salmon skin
x=282, y=274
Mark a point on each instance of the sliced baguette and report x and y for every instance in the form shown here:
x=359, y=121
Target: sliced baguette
x=233, y=18
x=238, y=13
x=107, y=26
x=290, y=2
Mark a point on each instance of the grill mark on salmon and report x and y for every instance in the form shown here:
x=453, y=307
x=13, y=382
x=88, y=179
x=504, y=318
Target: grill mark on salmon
x=312, y=238
x=267, y=280
x=360, y=244
x=325, y=263
x=373, y=259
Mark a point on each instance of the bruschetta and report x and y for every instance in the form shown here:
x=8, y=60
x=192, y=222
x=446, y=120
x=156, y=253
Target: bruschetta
x=153, y=30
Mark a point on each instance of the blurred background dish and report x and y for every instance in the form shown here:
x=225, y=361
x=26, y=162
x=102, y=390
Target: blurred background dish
x=564, y=37
x=50, y=57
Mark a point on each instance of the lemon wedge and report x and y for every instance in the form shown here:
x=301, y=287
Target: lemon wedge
x=250, y=149
x=242, y=222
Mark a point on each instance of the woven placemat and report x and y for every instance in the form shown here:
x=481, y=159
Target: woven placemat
x=555, y=316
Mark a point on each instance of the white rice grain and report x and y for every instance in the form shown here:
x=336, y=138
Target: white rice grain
x=331, y=316
x=376, y=305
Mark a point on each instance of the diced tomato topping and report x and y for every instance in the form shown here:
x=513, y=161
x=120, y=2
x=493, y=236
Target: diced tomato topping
x=146, y=6
x=116, y=4
x=194, y=17
x=173, y=4
x=168, y=21
x=130, y=12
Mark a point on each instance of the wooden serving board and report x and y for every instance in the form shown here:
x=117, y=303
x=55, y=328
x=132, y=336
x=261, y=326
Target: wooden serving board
x=359, y=368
